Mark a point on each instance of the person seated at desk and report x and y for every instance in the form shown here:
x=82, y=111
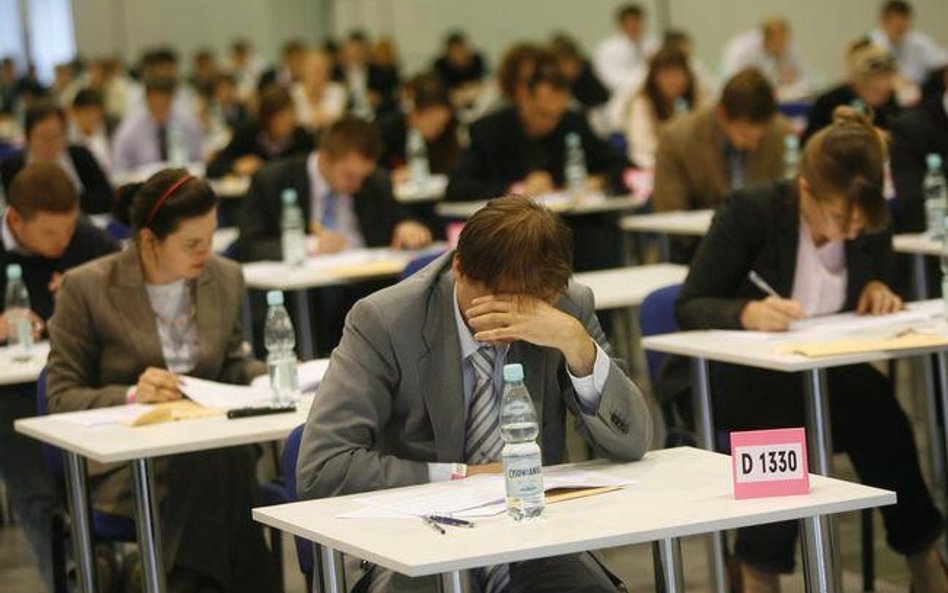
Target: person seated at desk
x=157, y=134
x=522, y=149
x=916, y=53
x=88, y=126
x=771, y=50
x=319, y=100
x=916, y=134
x=43, y=232
x=290, y=69
x=276, y=135
x=670, y=90
x=870, y=85
x=621, y=57
x=432, y=114
x=705, y=154
x=225, y=104
x=124, y=328
x=396, y=407
x=821, y=241
x=46, y=141
x=588, y=91
x=460, y=68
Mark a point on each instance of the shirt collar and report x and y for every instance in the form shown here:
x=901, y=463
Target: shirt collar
x=10, y=244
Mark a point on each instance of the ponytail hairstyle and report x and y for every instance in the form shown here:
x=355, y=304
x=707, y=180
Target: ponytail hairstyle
x=847, y=158
x=162, y=202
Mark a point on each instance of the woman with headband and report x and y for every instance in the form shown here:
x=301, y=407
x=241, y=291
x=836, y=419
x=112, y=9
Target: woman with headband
x=125, y=326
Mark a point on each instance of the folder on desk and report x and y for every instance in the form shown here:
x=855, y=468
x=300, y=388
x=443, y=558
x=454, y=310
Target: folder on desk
x=387, y=267
x=908, y=341
x=173, y=411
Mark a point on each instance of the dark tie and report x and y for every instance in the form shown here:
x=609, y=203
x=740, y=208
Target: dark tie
x=163, y=143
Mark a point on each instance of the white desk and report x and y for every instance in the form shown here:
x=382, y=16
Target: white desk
x=592, y=205
x=918, y=245
x=224, y=238
x=138, y=446
x=328, y=270
x=431, y=191
x=705, y=346
x=227, y=187
x=627, y=287
x=693, y=223
x=681, y=492
x=14, y=371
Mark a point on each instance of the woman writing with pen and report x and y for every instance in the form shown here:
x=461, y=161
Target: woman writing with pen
x=124, y=327
x=814, y=245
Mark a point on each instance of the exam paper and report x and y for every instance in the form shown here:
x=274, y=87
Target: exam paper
x=105, y=416
x=310, y=373
x=212, y=394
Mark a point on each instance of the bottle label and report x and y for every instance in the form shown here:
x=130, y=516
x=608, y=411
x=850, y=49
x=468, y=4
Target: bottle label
x=524, y=481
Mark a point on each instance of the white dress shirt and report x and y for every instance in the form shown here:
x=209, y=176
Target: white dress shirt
x=746, y=50
x=347, y=223
x=332, y=102
x=917, y=54
x=619, y=61
x=819, y=284
x=136, y=141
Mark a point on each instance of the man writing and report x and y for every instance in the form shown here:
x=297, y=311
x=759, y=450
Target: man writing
x=394, y=408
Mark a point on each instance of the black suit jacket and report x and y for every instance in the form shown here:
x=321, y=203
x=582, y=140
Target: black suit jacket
x=96, y=196
x=88, y=243
x=259, y=221
x=916, y=134
x=247, y=142
x=443, y=152
x=500, y=154
x=821, y=114
x=758, y=230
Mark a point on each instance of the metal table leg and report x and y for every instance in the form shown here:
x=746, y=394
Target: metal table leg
x=331, y=567
x=246, y=317
x=820, y=553
x=304, y=325
x=670, y=579
x=451, y=582
x=943, y=385
x=704, y=422
x=81, y=522
x=146, y=522
x=933, y=372
x=920, y=276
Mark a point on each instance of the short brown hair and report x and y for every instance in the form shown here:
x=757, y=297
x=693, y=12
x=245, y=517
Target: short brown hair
x=748, y=96
x=351, y=134
x=847, y=158
x=515, y=245
x=273, y=100
x=42, y=187
x=515, y=60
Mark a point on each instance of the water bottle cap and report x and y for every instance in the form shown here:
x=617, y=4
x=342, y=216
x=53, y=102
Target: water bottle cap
x=288, y=196
x=572, y=139
x=513, y=373
x=14, y=272
x=791, y=142
x=274, y=298
x=933, y=160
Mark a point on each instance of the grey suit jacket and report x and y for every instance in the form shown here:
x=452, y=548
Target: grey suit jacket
x=103, y=333
x=392, y=398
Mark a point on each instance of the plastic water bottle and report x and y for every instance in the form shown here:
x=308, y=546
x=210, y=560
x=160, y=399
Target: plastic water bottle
x=417, y=150
x=293, y=230
x=16, y=308
x=523, y=465
x=281, y=358
x=791, y=156
x=177, y=153
x=936, y=196
x=575, y=167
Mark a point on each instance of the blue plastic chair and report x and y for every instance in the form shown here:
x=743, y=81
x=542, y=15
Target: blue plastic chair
x=418, y=263
x=657, y=316
x=304, y=549
x=118, y=230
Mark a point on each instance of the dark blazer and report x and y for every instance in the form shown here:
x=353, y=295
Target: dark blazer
x=96, y=196
x=453, y=76
x=758, y=230
x=443, y=152
x=916, y=133
x=500, y=154
x=821, y=114
x=88, y=243
x=247, y=142
x=259, y=219
x=587, y=88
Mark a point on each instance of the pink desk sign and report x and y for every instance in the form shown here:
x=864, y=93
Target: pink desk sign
x=769, y=463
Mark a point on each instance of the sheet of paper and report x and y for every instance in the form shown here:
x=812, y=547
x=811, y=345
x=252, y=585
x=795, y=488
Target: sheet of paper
x=105, y=416
x=212, y=394
x=310, y=372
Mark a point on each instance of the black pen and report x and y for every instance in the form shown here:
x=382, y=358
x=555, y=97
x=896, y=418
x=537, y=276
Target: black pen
x=431, y=523
x=450, y=521
x=262, y=411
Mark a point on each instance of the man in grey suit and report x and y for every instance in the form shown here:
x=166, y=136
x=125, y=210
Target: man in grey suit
x=393, y=407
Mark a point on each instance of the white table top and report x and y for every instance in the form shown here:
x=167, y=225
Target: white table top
x=431, y=191
x=116, y=442
x=681, y=492
x=223, y=238
x=324, y=270
x=589, y=206
x=628, y=287
x=230, y=187
x=919, y=243
x=682, y=222
x=13, y=372
x=714, y=346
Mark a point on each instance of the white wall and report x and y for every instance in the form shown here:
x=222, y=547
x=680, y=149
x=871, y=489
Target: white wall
x=822, y=26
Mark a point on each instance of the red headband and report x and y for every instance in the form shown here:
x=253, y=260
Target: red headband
x=164, y=198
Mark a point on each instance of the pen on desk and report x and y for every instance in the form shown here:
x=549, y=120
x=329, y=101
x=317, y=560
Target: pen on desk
x=262, y=411
x=454, y=522
x=432, y=524
x=760, y=283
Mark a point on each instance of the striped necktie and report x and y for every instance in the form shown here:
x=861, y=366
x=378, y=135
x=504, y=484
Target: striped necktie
x=483, y=443
x=330, y=211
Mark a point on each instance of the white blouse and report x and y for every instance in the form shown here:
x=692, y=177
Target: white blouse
x=819, y=284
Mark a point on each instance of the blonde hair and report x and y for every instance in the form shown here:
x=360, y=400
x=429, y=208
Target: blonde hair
x=865, y=59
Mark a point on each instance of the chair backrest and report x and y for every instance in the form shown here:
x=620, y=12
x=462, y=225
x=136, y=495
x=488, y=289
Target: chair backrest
x=657, y=316
x=53, y=455
x=419, y=263
x=291, y=452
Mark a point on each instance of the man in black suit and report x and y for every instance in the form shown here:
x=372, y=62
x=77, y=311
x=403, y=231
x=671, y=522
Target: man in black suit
x=43, y=233
x=522, y=149
x=46, y=141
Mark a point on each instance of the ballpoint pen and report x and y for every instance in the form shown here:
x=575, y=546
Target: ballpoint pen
x=432, y=524
x=760, y=283
x=454, y=522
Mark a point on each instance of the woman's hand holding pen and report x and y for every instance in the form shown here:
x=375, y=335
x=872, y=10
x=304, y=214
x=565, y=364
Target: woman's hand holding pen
x=772, y=314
